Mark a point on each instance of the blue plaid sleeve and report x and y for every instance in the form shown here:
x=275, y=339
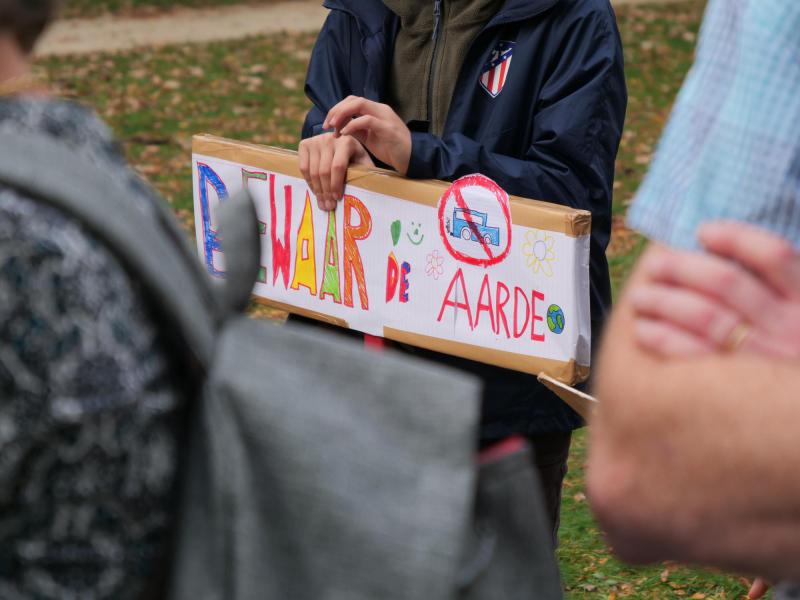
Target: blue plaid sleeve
x=731, y=149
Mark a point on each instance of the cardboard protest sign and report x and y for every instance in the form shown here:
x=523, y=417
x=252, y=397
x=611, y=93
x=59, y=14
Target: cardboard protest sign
x=582, y=403
x=459, y=268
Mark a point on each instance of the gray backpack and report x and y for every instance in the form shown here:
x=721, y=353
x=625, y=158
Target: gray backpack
x=316, y=469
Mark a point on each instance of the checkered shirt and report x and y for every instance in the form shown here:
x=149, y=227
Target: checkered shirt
x=731, y=149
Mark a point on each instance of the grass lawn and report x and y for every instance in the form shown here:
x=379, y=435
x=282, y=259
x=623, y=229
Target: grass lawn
x=589, y=571
x=252, y=90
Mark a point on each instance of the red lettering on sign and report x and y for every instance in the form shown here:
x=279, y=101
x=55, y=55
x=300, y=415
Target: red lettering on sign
x=281, y=250
x=500, y=305
x=352, y=257
x=519, y=293
x=536, y=337
x=524, y=307
x=487, y=305
x=392, y=277
x=462, y=293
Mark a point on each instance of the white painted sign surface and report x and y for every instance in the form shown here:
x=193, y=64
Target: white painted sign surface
x=461, y=272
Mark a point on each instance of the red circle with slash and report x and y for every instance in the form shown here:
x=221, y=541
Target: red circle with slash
x=467, y=229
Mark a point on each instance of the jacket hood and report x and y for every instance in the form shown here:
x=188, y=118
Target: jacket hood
x=404, y=8
x=373, y=13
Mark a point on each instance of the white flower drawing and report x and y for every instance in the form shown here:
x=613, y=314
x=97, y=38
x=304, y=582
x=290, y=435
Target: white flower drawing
x=435, y=265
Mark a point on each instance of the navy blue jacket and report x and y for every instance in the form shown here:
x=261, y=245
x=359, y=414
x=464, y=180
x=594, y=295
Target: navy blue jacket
x=552, y=133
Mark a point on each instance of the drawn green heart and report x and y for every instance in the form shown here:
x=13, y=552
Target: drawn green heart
x=396, y=227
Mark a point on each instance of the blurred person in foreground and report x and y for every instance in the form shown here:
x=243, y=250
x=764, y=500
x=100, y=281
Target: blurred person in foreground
x=88, y=410
x=695, y=450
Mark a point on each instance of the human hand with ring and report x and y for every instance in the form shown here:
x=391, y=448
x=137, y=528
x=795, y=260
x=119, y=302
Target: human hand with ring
x=742, y=295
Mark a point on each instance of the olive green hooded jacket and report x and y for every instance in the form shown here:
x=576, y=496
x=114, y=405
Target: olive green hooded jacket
x=429, y=50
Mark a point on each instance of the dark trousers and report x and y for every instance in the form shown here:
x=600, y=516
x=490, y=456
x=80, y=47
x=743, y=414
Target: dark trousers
x=550, y=454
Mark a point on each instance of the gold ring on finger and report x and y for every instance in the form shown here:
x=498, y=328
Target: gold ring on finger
x=737, y=337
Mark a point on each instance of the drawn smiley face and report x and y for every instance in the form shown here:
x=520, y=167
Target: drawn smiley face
x=415, y=236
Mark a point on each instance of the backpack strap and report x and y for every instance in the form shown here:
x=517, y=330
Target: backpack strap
x=238, y=226
x=154, y=249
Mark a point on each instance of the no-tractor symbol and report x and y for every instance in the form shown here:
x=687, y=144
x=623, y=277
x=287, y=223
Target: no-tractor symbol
x=475, y=221
x=471, y=225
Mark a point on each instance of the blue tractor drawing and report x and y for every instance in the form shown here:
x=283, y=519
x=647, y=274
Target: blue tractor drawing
x=461, y=227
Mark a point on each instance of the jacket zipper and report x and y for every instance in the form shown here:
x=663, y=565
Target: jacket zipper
x=437, y=19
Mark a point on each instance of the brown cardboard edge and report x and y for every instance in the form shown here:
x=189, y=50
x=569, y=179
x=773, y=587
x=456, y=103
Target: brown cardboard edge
x=524, y=212
x=583, y=404
x=582, y=224
x=570, y=371
x=311, y=314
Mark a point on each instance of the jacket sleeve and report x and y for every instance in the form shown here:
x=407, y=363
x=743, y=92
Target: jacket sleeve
x=576, y=129
x=330, y=72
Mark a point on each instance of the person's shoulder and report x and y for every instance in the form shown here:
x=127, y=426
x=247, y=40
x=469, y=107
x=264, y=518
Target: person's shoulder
x=79, y=129
x=367, y=10
x=68, y=122
x=596, y=11
x=369, y=13
x=45, y=232
x=587, y=7
x=573, y=20
x=357, y=6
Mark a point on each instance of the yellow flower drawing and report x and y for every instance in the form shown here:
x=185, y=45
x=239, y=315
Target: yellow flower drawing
x=538, y=251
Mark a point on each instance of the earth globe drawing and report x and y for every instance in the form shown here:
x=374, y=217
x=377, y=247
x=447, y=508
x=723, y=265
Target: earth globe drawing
x=555, y=318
